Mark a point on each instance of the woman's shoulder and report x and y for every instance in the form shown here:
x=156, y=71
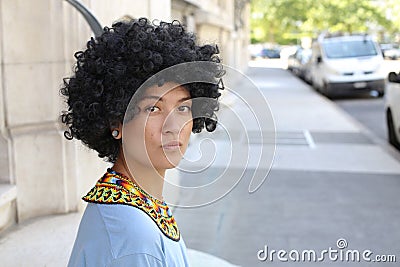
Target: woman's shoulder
x=111, y=234
x=126, y=221
x=128, y=229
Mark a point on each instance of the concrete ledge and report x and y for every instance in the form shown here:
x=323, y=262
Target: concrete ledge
x=8, y=210
x=8, y=193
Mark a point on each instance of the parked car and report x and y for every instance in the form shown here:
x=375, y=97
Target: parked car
x=270, y=53
x=254, y=51
x=390, y=51
x=392, y=107
x=297, y=62
x=287, y=50
x=346, y=65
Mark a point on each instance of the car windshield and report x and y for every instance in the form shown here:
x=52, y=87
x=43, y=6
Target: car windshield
x=360, y=48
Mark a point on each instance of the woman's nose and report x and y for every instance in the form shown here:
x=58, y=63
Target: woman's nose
x=172, y=123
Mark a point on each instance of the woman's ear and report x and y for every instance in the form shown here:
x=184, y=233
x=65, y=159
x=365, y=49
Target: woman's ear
x=116, y=132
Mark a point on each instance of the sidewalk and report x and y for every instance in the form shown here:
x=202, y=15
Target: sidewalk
x=329, y=180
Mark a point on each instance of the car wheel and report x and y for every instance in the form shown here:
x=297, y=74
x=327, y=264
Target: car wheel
x=314, y=86
x=325, y=90
x=391, y=130
x=318, y=89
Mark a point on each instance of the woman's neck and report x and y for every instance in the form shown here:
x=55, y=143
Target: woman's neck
x=148, y=179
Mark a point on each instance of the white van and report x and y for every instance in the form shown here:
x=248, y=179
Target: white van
x=346, y=65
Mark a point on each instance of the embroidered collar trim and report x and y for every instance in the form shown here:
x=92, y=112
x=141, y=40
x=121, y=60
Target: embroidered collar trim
x=115, y=188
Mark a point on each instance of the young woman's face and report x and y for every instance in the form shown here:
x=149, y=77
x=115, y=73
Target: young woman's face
x=158, y=135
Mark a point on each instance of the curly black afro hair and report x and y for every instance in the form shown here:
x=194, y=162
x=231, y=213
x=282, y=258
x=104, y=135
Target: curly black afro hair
x=114, y=65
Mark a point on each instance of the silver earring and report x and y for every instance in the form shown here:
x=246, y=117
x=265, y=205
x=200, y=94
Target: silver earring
x=115, y=133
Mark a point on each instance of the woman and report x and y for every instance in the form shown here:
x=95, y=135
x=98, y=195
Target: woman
x=126, y=221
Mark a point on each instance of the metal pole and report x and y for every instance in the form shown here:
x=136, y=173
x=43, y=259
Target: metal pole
x=89, y=17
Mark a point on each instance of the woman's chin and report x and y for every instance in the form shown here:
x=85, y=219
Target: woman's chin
x=168, y=164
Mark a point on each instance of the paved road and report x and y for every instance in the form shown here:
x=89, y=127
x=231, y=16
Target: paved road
x=339, y=185
x=368, y=110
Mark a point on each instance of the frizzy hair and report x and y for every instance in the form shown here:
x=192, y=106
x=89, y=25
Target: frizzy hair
x=115, y=64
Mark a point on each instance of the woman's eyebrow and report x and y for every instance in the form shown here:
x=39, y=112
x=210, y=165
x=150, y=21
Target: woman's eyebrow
x=159, y=98
x=184, y=98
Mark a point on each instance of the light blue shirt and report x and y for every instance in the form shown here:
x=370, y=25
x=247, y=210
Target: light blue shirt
x=113, y=235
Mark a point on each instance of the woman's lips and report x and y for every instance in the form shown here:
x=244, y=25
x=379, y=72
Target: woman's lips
x=172, y=145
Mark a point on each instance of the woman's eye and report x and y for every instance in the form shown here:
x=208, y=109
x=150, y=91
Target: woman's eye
x=185, y=108
x=152, y=109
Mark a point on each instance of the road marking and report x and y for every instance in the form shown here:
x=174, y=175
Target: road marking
x=309, y=139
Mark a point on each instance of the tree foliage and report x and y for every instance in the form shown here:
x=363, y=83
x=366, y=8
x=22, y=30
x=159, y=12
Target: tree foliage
x=284, y=21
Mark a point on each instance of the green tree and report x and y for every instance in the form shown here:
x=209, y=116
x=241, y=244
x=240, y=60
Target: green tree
x=271, y=20
x=283, y=20
x=391, y=8
x=344, y=16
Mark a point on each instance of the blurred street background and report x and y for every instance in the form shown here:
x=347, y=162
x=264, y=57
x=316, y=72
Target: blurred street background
x=322, y=68
x=334, y=176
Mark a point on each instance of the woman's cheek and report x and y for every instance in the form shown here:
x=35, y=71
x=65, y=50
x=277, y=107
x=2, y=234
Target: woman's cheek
x=153, y=136
x=187, y=130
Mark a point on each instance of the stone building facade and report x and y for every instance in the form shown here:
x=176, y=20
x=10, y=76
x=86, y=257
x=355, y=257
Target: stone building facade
x=42, y=172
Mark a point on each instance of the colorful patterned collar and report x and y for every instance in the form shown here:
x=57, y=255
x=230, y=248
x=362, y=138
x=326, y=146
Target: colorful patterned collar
x=115, y=188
